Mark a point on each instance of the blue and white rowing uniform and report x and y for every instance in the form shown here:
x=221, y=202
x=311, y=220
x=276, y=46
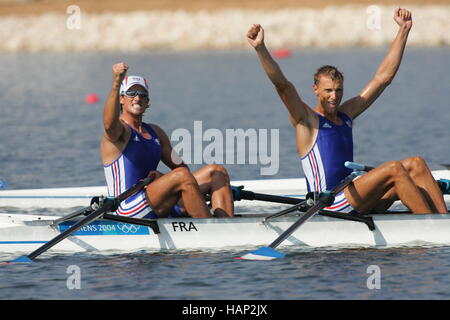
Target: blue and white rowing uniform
x=139, y=157
x=323, y=166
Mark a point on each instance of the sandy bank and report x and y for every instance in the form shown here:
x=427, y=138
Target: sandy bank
x=328, y=27
x=38, y=7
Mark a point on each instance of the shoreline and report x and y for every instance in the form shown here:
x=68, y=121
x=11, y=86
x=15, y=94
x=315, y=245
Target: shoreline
x=39, y=7
x=225, y=29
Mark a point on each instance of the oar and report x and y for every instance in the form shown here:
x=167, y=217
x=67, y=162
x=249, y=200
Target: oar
x=240, y=194
x=286, y=211
x=325, y=199
x=84, y=211
x=250, y=195
x=109, y=205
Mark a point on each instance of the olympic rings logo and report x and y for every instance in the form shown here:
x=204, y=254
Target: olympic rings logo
x=128, y=228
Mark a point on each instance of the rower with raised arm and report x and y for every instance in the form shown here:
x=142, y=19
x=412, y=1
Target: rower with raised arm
x=324, y=134
x=132, y=149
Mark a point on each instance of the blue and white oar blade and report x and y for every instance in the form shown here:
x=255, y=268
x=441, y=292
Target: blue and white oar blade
x=263, y=253
x=23, y=259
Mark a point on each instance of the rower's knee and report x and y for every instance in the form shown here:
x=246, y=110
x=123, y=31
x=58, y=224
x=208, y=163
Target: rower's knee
x=396, y=169
x=183, y=176
x=218, y=171
x=415, y=165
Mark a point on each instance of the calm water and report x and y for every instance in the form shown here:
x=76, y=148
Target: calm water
x=49, y=138
x=406, y=273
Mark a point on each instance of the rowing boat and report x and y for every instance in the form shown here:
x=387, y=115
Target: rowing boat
x=26, y=232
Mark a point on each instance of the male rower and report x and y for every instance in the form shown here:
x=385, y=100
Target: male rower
x=324, y=135
x=132, y=149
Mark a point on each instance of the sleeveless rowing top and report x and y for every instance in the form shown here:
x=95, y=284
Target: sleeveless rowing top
x=323, y=166
x=139, y=157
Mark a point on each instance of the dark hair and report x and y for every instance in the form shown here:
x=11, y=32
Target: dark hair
x=329, y=71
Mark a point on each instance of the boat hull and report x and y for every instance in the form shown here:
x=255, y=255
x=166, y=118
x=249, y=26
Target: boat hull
x=18, y=233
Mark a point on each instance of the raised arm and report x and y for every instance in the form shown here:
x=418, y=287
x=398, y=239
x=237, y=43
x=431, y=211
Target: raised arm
x=111, y=112
x=298, y=110
x=386, y=71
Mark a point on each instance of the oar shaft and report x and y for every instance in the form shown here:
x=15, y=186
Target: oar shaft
x=249, y=195
x=305, y=217
x=285, y=211
x=108, y=205
x=80, y=212
x=325, y=199
x=321, y=203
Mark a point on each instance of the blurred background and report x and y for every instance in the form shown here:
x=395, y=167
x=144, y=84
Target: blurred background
x=56, y=58
x=136, y=25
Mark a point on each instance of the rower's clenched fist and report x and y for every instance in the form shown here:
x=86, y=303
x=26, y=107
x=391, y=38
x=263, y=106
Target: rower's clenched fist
x=154, y=175
x=255, y=35
x=403, y=17
x=119, y=71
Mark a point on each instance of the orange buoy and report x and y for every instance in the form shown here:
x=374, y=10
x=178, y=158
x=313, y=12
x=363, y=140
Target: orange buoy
x=92, y=98
x=282, y=53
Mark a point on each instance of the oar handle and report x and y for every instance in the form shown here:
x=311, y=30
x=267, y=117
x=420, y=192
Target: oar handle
x=444, y=185
x=355, y=166
x=134, y=188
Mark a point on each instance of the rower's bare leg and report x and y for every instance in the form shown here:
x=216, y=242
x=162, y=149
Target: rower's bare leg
x=214, y=180
x=165, y=192
x=424, y=180
x=386, y=201
x=389, y=181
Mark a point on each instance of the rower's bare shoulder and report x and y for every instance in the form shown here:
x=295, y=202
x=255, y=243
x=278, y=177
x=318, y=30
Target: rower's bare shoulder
x=351, y=108
x=163, y=138
x=154, y=126
x=159, y=131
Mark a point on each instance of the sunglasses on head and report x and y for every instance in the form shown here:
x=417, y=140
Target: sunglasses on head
x=134, y=93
